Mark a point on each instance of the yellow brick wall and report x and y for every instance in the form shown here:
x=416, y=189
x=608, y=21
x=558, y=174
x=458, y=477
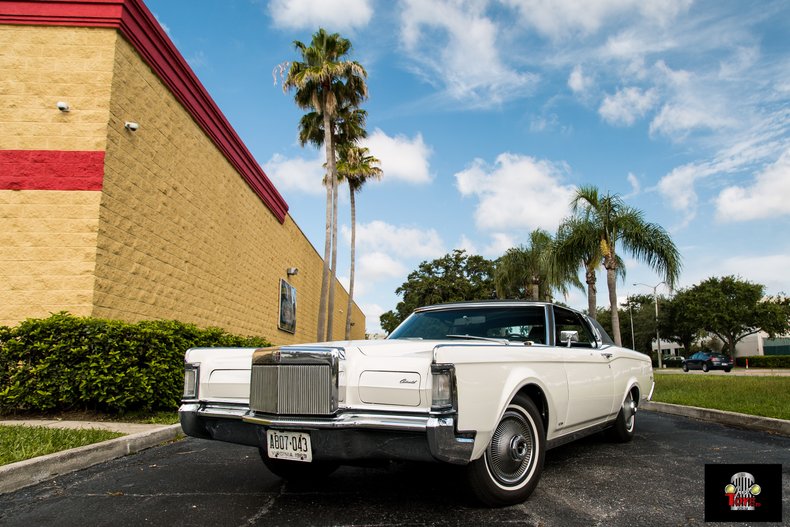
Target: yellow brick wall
x=48, y=238
x=181, y=235
x=48, y=241
x=40, y=66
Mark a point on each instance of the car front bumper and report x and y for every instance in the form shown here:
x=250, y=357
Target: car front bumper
x=346, y=436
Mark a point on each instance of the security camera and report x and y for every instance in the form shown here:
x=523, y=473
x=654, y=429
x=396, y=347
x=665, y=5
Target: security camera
x=63, y=106
x=132, y=126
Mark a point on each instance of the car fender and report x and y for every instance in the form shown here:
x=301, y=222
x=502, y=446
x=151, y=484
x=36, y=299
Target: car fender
x=482, y=404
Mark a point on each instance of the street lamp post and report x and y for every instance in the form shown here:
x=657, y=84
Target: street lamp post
x=658, y=337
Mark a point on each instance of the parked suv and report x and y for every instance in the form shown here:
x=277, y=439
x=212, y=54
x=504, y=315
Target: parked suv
x=706, y=360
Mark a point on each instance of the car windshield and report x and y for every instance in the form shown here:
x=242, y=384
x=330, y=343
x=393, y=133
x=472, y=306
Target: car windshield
x=520, y=324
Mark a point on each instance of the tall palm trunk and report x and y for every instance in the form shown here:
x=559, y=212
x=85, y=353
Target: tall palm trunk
x=353, y=257
x=592, y=291
x=325, y=274
x=611, y=282
x=330, y=319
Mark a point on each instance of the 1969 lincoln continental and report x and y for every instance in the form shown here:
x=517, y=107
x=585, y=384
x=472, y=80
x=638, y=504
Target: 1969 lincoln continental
x=488, y=385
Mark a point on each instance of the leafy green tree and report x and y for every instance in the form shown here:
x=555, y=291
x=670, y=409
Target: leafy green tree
x=617, y=223
x=527, y=272
x=454, y=277
x=732, y=308
x=355, y=167
x=640, y=309
x=323, y=82
x=674, y=322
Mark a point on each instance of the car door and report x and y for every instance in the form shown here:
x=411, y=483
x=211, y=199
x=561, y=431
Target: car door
x=588, y=370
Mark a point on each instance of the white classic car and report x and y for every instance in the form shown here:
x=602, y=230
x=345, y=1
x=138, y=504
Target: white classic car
x=489, y=385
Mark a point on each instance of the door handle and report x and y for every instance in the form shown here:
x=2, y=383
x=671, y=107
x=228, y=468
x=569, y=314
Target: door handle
x=607, y=355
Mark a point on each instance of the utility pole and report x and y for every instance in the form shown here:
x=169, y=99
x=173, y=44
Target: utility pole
x=658, y=337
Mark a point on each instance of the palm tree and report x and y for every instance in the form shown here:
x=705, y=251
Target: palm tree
x=615, y=222
x=323, y=82
x=355, y=167
x=577, y=244
x=527, y=271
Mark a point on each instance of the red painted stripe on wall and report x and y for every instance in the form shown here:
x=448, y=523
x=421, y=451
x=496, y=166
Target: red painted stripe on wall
x=138, y=25
x=51, y=170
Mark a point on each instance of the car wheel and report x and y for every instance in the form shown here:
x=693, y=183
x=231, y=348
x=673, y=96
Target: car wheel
x=297, y=470
x=509, y=469
x=705, y=367
x=727, y=370
x=685, y=367
x=625, y=425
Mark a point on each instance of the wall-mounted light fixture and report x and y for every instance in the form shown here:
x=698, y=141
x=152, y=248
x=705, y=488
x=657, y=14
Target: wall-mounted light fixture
x=292, y=271
x=63, y=106
x=131, y=126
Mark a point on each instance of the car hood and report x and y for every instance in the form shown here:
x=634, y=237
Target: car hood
x=382, y=348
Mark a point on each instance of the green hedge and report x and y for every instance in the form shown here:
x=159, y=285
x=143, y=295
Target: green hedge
x=66, y=363
x=764, y=361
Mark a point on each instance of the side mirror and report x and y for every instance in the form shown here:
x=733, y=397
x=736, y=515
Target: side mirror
x=569, y=337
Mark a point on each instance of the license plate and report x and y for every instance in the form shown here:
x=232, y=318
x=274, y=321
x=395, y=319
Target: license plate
x=294, y=446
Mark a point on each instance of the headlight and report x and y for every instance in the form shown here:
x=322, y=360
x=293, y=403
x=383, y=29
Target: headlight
x=191, y=381
x=443, y=387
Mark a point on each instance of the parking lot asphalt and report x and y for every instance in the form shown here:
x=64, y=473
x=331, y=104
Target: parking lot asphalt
x=138, y=437
x=657, y=479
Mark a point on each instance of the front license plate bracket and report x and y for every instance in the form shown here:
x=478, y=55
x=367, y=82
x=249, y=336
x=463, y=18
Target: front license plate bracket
x=293, y=446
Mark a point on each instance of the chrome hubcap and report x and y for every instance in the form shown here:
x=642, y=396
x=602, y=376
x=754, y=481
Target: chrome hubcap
x=629, y=412
x=512, y=450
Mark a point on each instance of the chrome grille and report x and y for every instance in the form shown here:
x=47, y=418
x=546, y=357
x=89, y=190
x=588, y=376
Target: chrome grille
x=294, y=389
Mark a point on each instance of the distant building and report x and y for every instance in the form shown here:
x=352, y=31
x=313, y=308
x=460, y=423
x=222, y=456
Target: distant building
x=759, y=344
x=124, y=191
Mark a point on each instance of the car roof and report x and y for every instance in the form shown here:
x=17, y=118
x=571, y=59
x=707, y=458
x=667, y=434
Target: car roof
x=486, y=303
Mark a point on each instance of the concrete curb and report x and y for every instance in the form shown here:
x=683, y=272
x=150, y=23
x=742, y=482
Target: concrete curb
x=752, y=422
x=31, y=471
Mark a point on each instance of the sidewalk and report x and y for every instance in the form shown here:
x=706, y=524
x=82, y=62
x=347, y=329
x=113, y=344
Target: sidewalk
x=22, y=474
x=737, y=372
x=111, y=426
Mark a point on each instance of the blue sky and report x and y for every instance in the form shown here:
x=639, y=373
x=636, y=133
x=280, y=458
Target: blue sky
x=487, y=114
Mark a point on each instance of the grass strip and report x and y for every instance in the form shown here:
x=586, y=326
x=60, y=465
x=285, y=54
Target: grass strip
x=763, y=396
x=18, y=442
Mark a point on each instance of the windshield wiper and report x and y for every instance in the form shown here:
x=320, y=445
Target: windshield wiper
x=473, y=337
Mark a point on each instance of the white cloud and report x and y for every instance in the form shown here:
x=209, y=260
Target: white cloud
x=517, y=192
x=402, y=158
x=334, y=15
x=578, y=82
x=767, y=197
x=299, y=174
x=636, y=187
x=565, y=18
x=763, y=142
x=454, y=45
x=373, y=266
x=768, y=270
x=404, y=242
x=373, y=313
x=499, y=243
x=627, y=105
x=164, y=26
x=676, y=121
x=467, y=245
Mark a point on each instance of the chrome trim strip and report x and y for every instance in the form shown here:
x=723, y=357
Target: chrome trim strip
x=347, y=420
x=573, y=436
